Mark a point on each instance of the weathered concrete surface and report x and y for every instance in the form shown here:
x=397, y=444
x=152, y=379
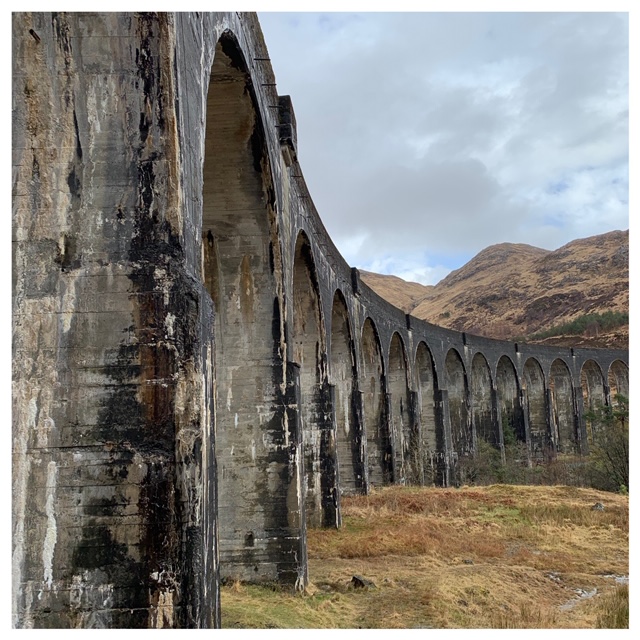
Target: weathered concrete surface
x=535, y=409
x=258, y=450
x=175, y=289
x=114, y=470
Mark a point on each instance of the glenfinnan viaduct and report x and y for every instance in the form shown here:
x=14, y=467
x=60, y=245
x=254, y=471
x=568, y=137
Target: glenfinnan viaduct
x=198, y=376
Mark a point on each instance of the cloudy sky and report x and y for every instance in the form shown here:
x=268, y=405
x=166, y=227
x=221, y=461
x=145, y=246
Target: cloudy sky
x=426, y=137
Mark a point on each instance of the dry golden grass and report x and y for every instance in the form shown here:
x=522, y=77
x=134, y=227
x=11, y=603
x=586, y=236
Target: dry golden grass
x=492, y=557
x=613, y=610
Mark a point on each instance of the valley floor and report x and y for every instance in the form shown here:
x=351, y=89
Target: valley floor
x=476, y=557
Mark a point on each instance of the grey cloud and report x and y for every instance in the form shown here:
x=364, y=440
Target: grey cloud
x=413, y=126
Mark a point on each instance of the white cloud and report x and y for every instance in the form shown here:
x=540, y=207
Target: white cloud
x=412, y=268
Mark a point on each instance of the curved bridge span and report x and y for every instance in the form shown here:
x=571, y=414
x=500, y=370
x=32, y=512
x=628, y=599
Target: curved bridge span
x=198, y=374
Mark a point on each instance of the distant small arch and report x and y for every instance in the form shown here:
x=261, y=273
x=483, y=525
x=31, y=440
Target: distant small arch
x=345, y=383
x=481, y=401
x=458, y=393
x=508, y=390
x=401, y=427
x=379, y=449
x=594, y=396
x=618, y=378
x=432, y=444
x=535, y=395
x=563, y=426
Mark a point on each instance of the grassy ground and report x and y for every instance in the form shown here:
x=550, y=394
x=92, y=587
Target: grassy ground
x=477, y=557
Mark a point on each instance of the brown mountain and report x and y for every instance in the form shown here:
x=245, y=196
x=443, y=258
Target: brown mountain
x=511, y=291
x=397, y=291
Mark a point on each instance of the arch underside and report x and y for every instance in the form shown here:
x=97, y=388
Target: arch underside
x=594, y=396
x=618, y=379
x=316, y=397
x=432, y=436
x=563, y=427
x=536, y=407
x=403, y=434
x=379, y=452
x=255, y=474
x=486, y=426
x=512, y=419
x=458, y=394
x=346, y=401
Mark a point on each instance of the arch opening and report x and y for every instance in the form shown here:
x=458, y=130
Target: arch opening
x=508, y=391
x=458, y=393
x=379, y=451
x=309, y=352
x=241, y=269
x=346, y=399
x=432, y=435
x=486, y=426
x=402, y=432
x=593, y=396
x=618, y=379
x=536, y=408
x=563, y=427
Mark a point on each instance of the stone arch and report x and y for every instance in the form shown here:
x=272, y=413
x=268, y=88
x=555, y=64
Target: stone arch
x=593, y=394
x=344, y=378
x=401, y=428
x=309, y=352
x=508, y=395
x=618, y=379
x=432, y=436
x=379, y=451
x=458, y=393
x=536, y=408
x=241, y=264
x=482, y=400
x=563, y=427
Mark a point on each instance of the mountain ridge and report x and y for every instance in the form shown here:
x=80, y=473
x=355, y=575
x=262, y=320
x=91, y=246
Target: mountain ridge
x=513, y=291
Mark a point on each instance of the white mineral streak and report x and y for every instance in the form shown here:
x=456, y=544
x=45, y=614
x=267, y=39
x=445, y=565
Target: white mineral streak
x=180, y=398
x=285, y=425
x=345, y=408
x=51, y=534
x=33, y=412
x=44, y=429
x=164, y=614
x=75, y=592
x=28, y=603
x=168, y=323
x=172, y=138
x=21, y=470
x=68, y=306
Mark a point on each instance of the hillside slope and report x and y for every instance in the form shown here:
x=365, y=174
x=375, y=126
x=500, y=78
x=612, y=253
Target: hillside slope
x=397, y=291
x=509, y=291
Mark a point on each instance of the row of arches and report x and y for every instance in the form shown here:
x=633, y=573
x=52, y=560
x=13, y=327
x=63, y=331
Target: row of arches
x=400, y=435
x=302, y=416
x=405, y=431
